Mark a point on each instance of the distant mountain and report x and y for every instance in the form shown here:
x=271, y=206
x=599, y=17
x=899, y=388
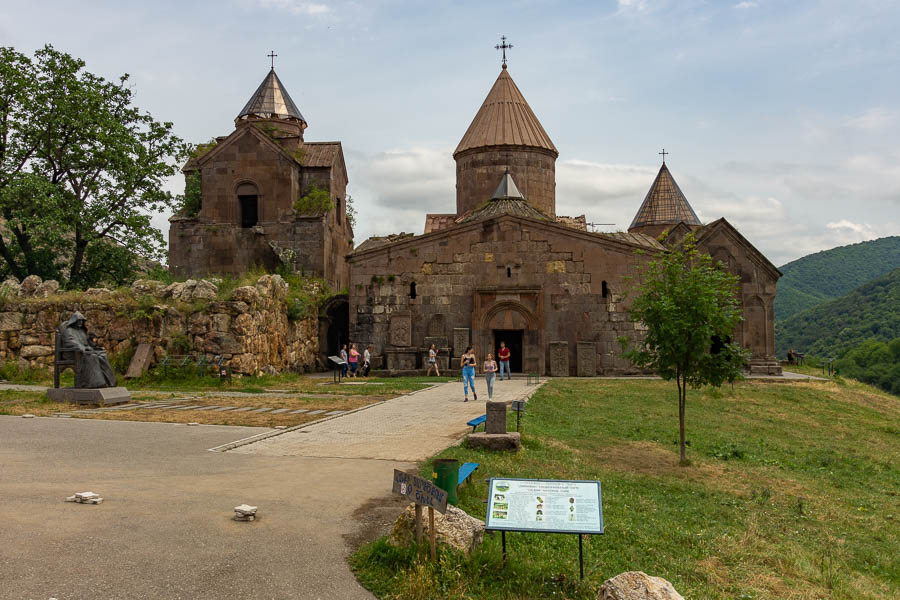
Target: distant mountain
x=871, y=311
x=823, y=276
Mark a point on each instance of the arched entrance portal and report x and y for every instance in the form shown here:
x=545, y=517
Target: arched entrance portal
x=334, y=326
x=513, y=323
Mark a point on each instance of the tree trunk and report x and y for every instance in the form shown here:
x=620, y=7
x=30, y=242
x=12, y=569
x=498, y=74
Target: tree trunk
x=682, y=400
x=78, y=258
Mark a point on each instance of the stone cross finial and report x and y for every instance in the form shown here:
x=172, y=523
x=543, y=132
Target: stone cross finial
x=664, y=155
x=272, y=55
x=503, y=46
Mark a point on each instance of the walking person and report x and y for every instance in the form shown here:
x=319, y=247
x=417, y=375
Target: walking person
x=432, y=362
x=367, y=360
x=346, y=358
x=467, y=361
x=354, y=360
x=490, y=372
x=503, y=355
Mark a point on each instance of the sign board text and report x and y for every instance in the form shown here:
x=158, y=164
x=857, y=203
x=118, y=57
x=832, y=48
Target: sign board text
x=550, y=506
x=421, y=491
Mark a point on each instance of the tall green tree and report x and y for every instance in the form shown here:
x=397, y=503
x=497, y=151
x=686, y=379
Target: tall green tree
x=690, y=308
x=81, y=171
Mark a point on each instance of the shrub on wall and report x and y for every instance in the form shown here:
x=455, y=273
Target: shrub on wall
x=316, y=202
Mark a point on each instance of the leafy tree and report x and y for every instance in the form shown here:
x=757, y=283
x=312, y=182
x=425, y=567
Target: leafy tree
x=81, y=171
x=690, y=309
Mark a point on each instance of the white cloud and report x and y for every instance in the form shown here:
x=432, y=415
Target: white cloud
x=873, y=119
x=746, y=4
x=296, y=7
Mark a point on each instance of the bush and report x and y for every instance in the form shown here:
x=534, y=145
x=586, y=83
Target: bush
x=316, y=202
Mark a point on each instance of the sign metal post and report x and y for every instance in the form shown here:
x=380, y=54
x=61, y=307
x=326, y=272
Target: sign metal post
x=545, y=506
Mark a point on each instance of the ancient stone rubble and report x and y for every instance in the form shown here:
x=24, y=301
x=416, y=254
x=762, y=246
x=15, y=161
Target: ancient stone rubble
x=636, y=585
x=454, y=528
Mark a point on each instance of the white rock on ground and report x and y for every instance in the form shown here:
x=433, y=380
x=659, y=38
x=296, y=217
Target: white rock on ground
x=637, y=585
x=245, y=512
x=455, y=528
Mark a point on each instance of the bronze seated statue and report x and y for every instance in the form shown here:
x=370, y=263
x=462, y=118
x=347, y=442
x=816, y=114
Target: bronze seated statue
x=76, y=348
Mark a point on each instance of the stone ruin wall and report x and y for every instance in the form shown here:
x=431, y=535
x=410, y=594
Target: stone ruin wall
x=250, y=330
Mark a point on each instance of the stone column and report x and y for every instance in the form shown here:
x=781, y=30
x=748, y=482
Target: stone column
x=496, y=417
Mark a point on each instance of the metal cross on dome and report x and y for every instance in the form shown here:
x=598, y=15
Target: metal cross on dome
x=664, y=155
x=503, y=46
x=272, y=55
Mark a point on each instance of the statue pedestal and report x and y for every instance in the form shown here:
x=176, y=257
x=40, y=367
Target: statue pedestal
x=90, y=396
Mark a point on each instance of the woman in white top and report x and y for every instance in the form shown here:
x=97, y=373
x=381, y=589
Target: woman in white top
x=490, y=371
x=432, y=362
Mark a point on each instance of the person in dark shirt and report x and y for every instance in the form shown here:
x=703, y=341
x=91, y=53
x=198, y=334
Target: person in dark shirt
x=503, y=355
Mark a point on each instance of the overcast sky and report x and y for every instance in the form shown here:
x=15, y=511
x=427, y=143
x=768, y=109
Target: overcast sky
x=782, y=116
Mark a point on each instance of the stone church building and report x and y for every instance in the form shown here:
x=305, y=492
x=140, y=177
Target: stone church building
x=505, y=267
x=249, y=182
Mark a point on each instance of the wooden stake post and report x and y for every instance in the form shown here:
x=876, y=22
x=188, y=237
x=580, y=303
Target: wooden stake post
x=423, y=493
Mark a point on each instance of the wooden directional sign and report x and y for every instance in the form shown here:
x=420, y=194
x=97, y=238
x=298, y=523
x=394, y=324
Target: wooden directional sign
x=421, y=491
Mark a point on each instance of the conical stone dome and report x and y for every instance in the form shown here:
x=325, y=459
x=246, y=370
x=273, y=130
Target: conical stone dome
x=271, y=100
x=663, y=206
x=505, y=134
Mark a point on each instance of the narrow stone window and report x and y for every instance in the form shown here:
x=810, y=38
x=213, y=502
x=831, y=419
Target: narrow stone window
x=248, y=201
x=412, y=290
x=508, y=272
x=337, y=209
x=604, y=289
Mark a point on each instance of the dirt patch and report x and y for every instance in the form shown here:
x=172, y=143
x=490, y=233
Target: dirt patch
x=649, y=458
x=375, y=518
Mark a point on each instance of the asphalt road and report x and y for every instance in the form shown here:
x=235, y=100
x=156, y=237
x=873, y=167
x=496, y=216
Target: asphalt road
x=164, y=529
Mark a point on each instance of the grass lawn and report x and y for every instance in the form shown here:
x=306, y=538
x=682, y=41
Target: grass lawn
x=294, y=392
x=793, y=492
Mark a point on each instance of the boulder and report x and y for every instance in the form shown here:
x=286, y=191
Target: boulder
x=246, y=294
x=29, y=285
x=35, y=351
x=637, y=585
x=146, y=287
x=173, y=290
x=204, y=290
x=455, y=528
x=47, y=288
x=272, y=286
x=11, y=321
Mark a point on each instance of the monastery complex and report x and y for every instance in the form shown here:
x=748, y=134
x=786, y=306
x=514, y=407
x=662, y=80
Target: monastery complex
x=503, y=266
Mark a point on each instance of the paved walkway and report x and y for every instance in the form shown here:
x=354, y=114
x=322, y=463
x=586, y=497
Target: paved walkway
x=409, y=428
x=164, y=528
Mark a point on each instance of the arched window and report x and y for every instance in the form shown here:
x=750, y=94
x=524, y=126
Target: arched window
x=337, y=210
x=412, y=290
x=248, y=201
x=604, y=289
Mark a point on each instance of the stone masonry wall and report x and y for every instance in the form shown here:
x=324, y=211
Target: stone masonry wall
x=250, y=330
x=478, y=172
x=563, y=289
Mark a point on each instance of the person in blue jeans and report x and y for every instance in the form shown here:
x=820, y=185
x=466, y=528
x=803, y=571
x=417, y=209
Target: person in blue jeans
x=503, y=355
x=490, y=372
x=467, y=362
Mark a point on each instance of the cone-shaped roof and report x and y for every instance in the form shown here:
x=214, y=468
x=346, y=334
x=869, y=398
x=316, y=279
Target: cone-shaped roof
x=505, y=119
x=507, y=188
x=664, y=204
x=271, y=100
x=507, y=200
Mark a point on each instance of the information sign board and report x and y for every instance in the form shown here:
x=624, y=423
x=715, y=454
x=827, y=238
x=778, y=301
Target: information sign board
x=544, y=505
x=421, y=491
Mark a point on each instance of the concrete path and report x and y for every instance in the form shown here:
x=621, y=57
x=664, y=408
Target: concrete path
x=164, y=529
x=409, y=428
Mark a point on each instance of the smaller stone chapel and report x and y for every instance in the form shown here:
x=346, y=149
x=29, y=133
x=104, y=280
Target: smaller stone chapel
x=249, y=183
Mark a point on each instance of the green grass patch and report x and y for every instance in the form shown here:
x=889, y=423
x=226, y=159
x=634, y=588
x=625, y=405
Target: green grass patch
x=793, y=491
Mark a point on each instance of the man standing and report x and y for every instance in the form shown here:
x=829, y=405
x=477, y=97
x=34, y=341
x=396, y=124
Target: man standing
x=503, y=355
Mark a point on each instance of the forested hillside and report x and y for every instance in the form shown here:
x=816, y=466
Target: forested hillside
x=872, y=311
x=823, y=276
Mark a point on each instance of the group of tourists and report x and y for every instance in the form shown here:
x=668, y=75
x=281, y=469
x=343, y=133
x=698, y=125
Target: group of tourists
x=468, y=363
x=351, y=357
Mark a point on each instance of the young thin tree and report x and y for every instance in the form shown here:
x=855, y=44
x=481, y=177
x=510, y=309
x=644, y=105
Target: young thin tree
x=690, y=308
